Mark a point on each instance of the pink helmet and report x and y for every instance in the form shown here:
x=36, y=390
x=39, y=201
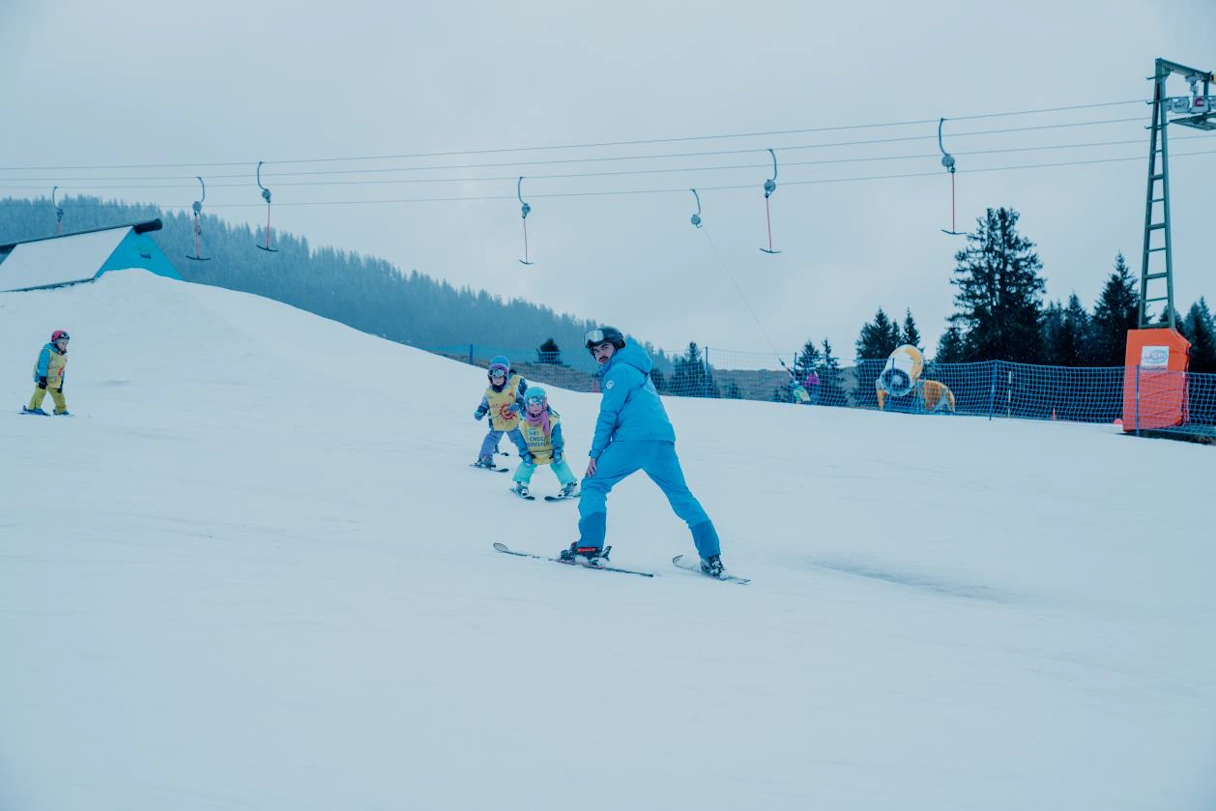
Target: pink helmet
x=60, y=335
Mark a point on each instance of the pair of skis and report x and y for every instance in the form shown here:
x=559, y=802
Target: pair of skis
x=679, y=561
x=530, y=497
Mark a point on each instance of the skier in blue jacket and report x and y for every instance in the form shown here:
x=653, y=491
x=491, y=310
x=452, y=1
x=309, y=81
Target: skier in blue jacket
x=633, y=433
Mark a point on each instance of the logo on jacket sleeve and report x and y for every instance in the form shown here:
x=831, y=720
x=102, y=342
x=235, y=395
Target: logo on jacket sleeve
x=609, y=384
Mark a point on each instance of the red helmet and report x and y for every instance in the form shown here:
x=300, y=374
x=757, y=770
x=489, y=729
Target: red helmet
x=60, y=335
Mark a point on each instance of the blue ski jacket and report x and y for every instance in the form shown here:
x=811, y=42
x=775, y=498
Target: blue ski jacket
x=630, y=407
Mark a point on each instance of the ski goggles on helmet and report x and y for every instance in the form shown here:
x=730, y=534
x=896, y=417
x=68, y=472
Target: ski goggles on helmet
x=535, y=400
x=593, y=337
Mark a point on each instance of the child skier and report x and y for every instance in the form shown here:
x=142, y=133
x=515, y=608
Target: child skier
x=501, y=401
x=542, y=431
x=48, y=376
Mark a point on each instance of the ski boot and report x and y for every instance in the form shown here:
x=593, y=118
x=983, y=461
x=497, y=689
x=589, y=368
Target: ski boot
x=568, y=489
x=520, y=489
x=63, y=413
x=712, y=566
x=592, y=556
x=485, y=461
x=38, y=411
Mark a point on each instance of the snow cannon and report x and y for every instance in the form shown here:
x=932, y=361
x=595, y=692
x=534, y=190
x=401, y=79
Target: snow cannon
x=901, y=372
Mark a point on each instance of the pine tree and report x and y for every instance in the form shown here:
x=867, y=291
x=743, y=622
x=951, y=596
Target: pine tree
x=1052, y=325
x=1116, y=312
x=1200, y=330
x=1065, y=333
x=999, y=291
x=692, y=376
x=879, y=338
x=911, y=334
x=1076, y=349
x=830, y=390
x=950, y=347
x=807, y=360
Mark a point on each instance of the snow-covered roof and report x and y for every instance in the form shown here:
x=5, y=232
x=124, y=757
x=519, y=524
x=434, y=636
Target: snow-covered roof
x=67, y=259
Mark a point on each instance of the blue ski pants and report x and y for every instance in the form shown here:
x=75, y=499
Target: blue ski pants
x=490, y=444
x=658, y=460
x=560, y=469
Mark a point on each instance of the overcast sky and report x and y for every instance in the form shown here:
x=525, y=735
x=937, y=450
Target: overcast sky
x=139, y=85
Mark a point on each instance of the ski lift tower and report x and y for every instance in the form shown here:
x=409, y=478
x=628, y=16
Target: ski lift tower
x=1199, y=111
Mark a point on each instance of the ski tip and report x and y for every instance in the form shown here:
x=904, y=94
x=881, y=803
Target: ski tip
x=501, y=547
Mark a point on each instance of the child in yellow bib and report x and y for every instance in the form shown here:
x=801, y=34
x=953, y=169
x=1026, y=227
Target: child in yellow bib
x=49, y=376
x=541, y=428
x=501, y=401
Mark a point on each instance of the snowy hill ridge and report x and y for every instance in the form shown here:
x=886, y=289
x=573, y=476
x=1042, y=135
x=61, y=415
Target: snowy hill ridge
x=254, y=571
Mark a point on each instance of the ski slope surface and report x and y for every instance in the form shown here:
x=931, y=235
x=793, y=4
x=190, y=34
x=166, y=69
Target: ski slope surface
x=254, y=571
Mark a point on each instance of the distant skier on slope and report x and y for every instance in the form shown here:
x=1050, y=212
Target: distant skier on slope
x=501, y=401
x=542, y=431
x=49, y=374
x=634, y=433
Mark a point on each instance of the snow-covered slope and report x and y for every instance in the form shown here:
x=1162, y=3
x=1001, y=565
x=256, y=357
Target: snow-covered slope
x=254, y=571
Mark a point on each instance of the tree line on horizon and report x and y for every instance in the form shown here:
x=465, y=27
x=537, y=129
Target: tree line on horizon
x=999, y=313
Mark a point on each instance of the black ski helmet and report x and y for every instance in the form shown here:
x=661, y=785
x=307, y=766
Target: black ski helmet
x=597, y=336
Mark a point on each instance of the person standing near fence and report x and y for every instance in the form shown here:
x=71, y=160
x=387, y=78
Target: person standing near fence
x=811, y=385
x=632, y=433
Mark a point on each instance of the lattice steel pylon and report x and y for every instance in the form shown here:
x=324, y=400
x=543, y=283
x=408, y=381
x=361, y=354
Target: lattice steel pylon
x=1198, y=109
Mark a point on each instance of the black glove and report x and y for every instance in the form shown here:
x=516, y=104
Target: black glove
x=42, y=382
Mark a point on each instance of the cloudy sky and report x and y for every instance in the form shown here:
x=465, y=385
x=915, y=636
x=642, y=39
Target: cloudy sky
x=485, y=92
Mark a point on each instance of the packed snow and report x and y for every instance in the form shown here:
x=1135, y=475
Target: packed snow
x=254, y=570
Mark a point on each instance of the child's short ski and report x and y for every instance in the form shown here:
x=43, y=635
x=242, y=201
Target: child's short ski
x=490, y=469
x=525, y=495
x=35, y=411
x=563, y=498
x=694, y=565
x=502, y=547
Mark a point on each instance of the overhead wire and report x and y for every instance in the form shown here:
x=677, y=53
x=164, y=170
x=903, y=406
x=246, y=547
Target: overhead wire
x=166, y=182
x=684, y=189
x=99, y=183
x=590, y=145
x=663, y=156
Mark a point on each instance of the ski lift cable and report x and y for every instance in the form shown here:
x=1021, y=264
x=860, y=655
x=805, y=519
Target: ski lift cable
x=742, y=297
x=661, y=156
x=12, y=182
x=596, y=145
x=684, y=190
x=682, y=139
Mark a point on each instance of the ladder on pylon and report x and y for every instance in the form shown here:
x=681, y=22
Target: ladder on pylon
x=1157, y=239
x=1157, y=261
